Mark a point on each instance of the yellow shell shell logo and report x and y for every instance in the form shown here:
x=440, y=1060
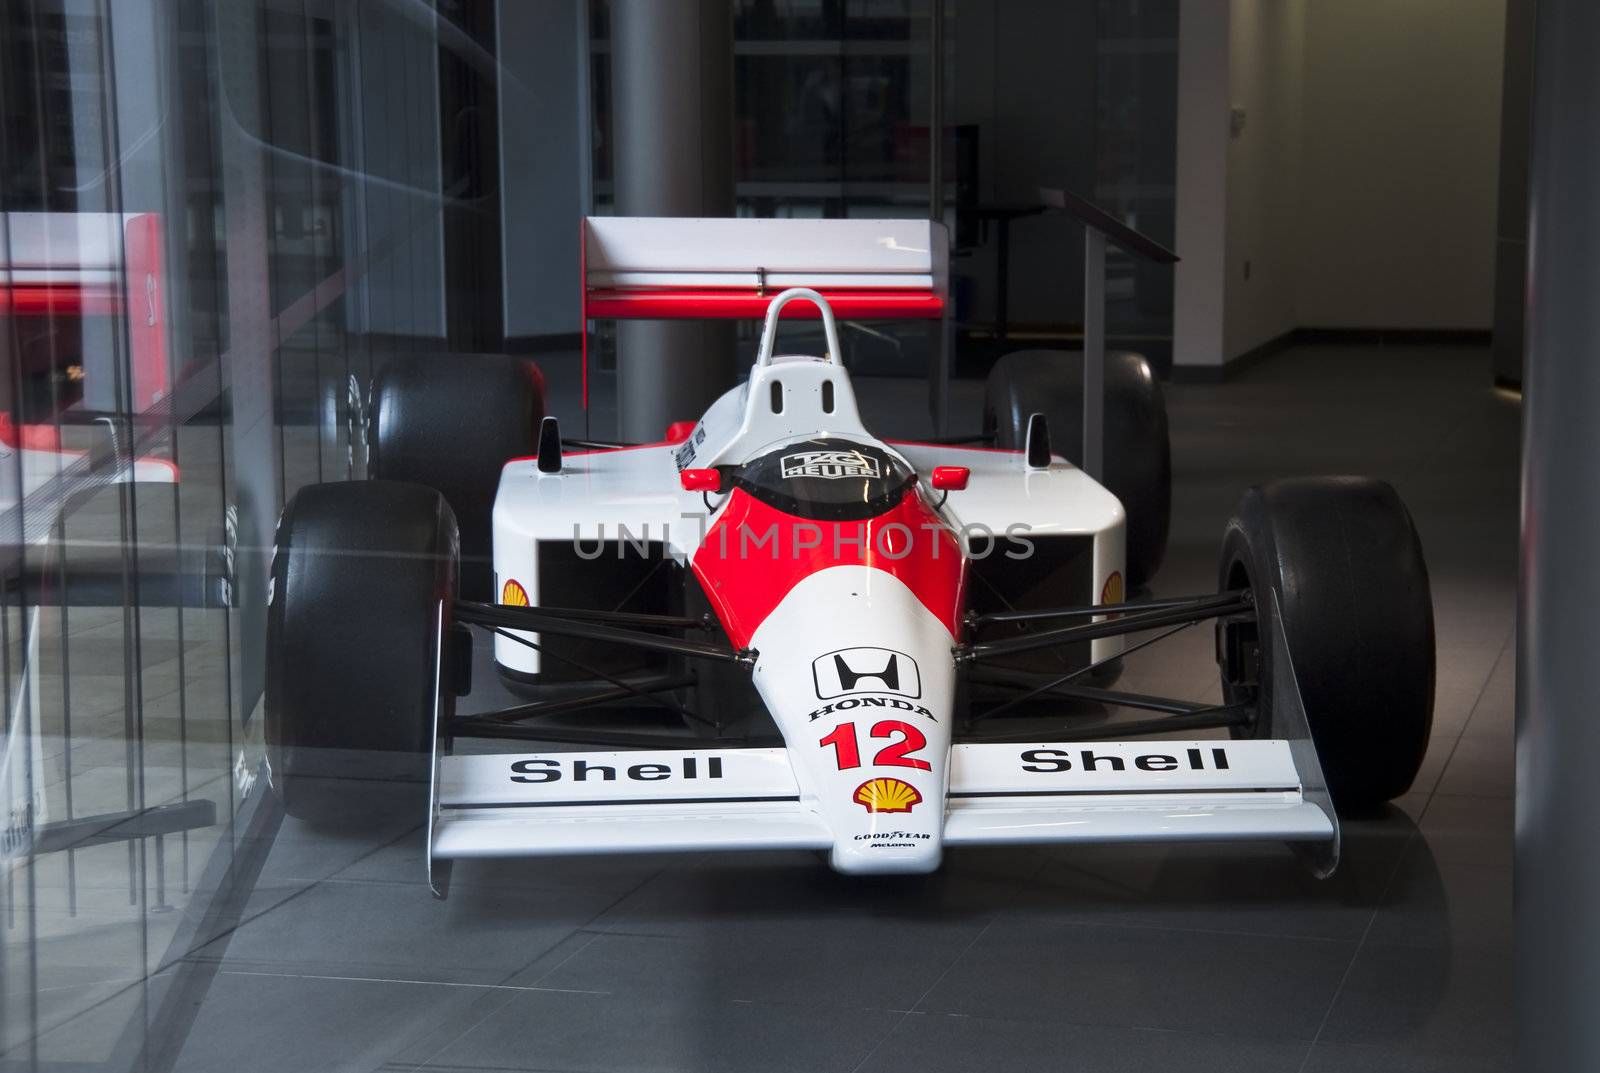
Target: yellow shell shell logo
x=887, y=795
x=1112, y=593
x=514, y=595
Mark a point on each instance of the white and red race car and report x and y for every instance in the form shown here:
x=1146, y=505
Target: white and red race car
x=774, y=629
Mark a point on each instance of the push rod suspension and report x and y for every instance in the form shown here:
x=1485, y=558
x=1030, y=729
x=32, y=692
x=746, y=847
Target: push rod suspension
x=976, y=620
x=560, y=705
x=1132, y=622
x=1006, y=677
x=559, y=623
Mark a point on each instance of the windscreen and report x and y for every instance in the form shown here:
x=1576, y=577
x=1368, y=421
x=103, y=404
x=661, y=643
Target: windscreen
x=827, y=479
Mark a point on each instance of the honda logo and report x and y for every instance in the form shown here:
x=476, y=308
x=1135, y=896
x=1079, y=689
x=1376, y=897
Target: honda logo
x=866, y=670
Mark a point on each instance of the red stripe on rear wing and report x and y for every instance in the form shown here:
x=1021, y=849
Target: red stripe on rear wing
x=60, y=299
x=735, y=303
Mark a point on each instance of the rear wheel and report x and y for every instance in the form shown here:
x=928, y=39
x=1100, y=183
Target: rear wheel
x=344, y=427
x=358, y=647
x=1342, y=558
x=451, y=422
x=1138, y=455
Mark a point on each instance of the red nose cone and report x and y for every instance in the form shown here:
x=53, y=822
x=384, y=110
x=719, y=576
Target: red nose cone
x=950, y=478
x=701, y=480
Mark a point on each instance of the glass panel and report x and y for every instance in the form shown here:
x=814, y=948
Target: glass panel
x=212, y=217
x=1136, y=95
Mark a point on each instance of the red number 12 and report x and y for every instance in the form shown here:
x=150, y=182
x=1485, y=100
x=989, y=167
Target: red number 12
x=896, y=754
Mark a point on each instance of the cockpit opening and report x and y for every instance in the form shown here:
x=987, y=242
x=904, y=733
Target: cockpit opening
x=827, y=479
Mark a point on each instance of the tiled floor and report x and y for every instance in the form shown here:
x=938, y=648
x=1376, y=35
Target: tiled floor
x=1102, y=959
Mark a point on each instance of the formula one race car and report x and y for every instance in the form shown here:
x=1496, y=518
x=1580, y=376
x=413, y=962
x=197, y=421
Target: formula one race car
x=781, y=631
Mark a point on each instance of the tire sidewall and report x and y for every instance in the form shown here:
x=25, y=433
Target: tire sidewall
x=357, y=648
x=1342, y=559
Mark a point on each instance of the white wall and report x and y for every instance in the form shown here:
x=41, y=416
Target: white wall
x=1361, y=189
x=1402, y=131
x=1202, y=179
x=1266, y=46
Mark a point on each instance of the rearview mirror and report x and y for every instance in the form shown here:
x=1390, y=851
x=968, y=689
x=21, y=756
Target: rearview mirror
x=950, y=478
x=700, y=480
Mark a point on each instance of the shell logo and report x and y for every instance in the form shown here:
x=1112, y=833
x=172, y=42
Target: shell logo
x=887, y=795
x=514, y=595
x=1112, y=593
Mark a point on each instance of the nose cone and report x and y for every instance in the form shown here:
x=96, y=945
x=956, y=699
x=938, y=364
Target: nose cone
x=892, y=841
x=859, y=676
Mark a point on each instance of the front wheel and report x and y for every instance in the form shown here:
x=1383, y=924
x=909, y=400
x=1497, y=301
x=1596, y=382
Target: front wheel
x=358, y=647
x=1343, y=559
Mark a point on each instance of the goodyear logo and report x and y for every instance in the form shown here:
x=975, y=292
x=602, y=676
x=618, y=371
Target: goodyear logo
x=887, y=795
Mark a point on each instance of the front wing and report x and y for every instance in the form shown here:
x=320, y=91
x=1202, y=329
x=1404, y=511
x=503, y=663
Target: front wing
x=1150, y=790
x=501, y=805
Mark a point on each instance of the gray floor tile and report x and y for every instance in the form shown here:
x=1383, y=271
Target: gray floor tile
x=1356, y=1058
x=690, y=1032
x=1463, y=829
x=1458, y=905
x=294, y=1024
x=789, y=931
x=1482, y=765
x=96, y=1025
x=1413, y=1000
x=1261, y=889
x=394, y=931
x=946, y=1043
x=305, y=853
x=1271, y=986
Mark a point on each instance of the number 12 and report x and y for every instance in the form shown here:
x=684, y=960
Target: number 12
x=896, y=754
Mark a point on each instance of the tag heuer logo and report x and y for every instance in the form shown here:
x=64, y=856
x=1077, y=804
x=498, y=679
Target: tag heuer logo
x=829, y=465
x=865, y=670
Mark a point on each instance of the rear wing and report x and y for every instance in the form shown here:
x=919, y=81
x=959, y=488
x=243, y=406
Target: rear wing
x=93, y=276
x=669, y=268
